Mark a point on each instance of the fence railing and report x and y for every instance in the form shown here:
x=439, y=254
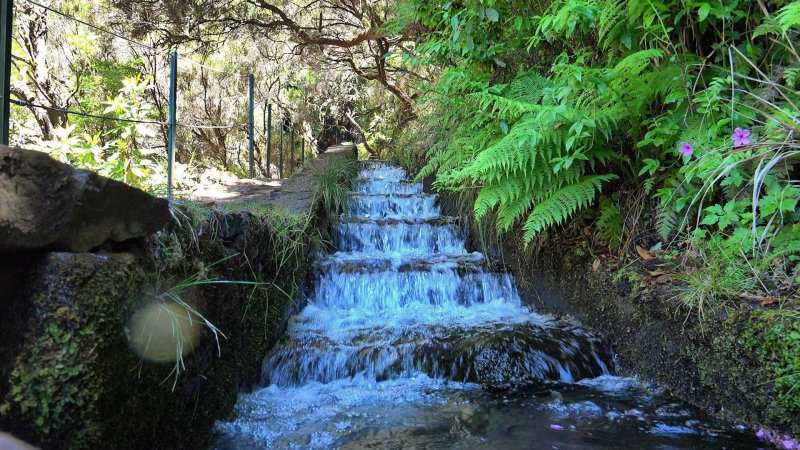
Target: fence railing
x=286, y=166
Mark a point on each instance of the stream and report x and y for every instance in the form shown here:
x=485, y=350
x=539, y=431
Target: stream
x=410, y=341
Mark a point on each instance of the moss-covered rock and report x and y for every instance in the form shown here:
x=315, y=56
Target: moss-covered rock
x=727, y=365
x=74, y=382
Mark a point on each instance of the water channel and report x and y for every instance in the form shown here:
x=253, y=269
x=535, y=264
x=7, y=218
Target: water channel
x=410, y=341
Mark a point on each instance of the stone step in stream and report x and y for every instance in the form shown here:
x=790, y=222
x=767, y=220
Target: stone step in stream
x=408, y=340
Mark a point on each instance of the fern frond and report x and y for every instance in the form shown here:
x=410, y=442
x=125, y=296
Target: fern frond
x=609, y=224
x=789, y=16
x=563, y=204
x=666, y=222
x=508, y=213
x=611, y=21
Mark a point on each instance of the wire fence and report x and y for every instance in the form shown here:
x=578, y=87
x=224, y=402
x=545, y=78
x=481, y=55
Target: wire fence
x=279, y=143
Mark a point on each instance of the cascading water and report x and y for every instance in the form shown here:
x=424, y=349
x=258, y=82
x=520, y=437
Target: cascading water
x=403, y=328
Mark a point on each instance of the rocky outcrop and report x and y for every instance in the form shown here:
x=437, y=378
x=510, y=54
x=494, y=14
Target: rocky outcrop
x=72, y=375
x=46, y=204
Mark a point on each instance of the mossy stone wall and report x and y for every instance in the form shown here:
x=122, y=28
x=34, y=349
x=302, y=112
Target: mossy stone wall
x=72, y=380
x=726, y=365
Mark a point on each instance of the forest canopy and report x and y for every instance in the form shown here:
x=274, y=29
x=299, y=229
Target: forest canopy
x=667, y=126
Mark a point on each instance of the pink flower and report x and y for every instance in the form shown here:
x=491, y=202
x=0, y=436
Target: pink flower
x=555, y=426
x=761, y=434
x=741, y=137
x=789, y=444
x=686, y=149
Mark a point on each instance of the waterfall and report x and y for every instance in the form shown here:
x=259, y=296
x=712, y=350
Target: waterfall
x=403, y=296
x=410, y=341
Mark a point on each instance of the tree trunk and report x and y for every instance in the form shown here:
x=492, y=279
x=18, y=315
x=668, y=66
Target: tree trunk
x=372, y=152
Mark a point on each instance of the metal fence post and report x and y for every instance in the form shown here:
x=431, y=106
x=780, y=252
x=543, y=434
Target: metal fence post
x=173, y=109
x=280, y=150
x=291, y=152
x=268, y=127
x=251, y=81
x=6, y=25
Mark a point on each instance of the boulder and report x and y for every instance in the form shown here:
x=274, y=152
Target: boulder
x=46, y=204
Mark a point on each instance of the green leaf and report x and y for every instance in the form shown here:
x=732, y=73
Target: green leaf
x=504, y=126
x=492, y=14
x=626, y=39
x=703, y=12
x=456, y=29
x=710, y=220
x=723, y=223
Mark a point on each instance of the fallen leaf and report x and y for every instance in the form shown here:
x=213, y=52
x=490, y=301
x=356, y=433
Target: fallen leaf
x=595, y=265
x=655, y=273
x=663, y=279
x=761, y=299
x=644, y=253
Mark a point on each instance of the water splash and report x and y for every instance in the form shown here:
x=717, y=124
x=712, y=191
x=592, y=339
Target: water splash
x=403, y=327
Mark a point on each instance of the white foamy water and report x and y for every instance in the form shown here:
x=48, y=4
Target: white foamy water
x=402, y=328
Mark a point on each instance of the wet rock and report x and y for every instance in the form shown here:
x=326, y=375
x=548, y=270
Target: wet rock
x=46, y=204
x=383, y=221
x=468, y=263
x=500, y=356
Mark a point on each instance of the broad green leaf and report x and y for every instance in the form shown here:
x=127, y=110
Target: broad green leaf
x=703, y=12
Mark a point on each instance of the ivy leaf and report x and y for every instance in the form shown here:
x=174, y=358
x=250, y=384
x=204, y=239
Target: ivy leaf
x=492, y=14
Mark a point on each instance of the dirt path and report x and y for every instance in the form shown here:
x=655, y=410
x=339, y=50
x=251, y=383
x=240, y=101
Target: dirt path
x=295, y=193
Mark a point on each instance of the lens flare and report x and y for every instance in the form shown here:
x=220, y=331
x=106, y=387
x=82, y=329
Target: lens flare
x=164, y=332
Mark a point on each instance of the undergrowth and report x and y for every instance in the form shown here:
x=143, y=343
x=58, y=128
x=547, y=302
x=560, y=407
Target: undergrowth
x=662, y=124
x=333, y=184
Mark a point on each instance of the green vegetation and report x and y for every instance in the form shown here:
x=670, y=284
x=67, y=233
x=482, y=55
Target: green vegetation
x=718, y=278
x=115, y=152
x=664, y=123
x=334, y=184
x=775, y=336
x=664, y=132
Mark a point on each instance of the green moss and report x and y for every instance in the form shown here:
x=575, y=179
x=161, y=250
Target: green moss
x=775, y=336
x=52, y=387
x=76, y=384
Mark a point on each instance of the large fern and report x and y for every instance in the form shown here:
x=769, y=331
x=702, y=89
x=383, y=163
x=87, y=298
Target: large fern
x=564, y=203
x=789, y=16
x=539, y=148
x=610, y=226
